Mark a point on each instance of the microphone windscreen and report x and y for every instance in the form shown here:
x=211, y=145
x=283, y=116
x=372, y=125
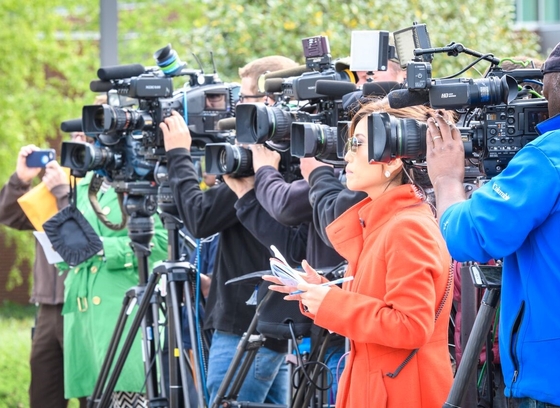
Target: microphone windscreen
x=286, y=73
x=381, y=88
x=226, y=124
x=120, y=71
x=72, y=125
x=402, y=98
x=273, y=85
x=332, y=88
x=100, y=86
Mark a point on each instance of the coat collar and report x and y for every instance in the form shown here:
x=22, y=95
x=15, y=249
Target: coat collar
x=348, y=231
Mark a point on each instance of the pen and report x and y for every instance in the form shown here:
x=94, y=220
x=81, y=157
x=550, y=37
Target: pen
x=330, y=283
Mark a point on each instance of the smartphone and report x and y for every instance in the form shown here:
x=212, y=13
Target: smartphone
x=40, y=158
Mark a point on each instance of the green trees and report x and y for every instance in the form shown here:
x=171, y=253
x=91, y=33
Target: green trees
x=49, y=49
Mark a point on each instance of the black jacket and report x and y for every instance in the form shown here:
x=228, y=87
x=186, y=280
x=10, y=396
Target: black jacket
x=238, y=253
x=289, y=204
x=329, y=198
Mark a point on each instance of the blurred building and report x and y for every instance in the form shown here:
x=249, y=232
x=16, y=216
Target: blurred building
x=542, y=17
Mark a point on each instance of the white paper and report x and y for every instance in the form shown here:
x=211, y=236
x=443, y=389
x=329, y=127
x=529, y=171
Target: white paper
x=280, y=268
x=52, y=256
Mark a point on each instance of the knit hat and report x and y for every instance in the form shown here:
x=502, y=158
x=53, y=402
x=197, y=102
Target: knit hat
x=552, y=63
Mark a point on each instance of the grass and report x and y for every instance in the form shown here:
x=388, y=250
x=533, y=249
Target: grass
x=15, y=347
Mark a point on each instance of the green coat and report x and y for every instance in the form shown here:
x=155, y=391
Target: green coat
x=94, y=293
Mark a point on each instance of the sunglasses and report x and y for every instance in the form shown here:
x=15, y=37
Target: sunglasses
x=352, y=145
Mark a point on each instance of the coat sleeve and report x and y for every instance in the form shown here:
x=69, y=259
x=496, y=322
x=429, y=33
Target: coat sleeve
x=404, y=316
x=203, y=213
x=288, y=203
x=11, y=214
x=290, y=241
x=499, y=216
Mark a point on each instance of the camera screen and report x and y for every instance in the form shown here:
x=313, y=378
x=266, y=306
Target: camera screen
x=215, y=102
x=533, y=118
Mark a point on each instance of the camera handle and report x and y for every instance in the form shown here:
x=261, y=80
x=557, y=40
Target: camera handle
x=477, y=337
x=454, y=49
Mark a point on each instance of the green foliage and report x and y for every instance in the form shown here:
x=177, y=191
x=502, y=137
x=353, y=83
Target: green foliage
x=16, y=322
x=14, y=358
x=49, y=52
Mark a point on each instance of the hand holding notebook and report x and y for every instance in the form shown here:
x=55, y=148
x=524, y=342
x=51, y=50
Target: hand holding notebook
x=284, y=272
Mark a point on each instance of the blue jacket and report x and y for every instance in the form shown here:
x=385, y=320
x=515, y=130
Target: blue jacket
x=515, y=216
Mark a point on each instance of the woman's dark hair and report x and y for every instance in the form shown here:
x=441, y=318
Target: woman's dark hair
x=411, y=173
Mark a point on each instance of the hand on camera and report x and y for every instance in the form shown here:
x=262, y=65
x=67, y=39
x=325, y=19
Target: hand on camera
x=308, y=164
x=239, y=185
x=262, y=156
x=54, y=175
x=24, y=173
x=445, y=154
x=175, y=132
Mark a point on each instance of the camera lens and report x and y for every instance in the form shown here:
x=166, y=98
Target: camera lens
x=78, y=157
x=257, y=123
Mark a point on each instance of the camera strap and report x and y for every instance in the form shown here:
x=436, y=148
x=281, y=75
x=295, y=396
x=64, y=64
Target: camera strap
x=438, y=312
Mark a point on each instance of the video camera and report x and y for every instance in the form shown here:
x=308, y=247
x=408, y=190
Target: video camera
x=318, y=128
x=495, y=123
x=128, y=141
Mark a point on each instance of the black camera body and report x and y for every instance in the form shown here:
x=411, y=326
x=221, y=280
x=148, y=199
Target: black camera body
x=128, y=141
x=497, y=120
x=498, y=132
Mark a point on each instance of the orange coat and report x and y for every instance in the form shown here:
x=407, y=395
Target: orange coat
x=401, y=271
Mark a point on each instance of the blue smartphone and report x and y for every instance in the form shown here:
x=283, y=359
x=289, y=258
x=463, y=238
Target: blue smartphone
x=40, y=158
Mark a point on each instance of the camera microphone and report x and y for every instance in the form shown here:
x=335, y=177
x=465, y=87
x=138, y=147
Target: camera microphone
x=72, y=125
x=120, y=71
x=381, y=88
x=403, y=98
x=226, y=124
x=100, y=86
x=336, y=89
x=286, y=73
x=273, y=85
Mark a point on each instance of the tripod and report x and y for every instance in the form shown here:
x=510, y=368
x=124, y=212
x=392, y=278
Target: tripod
x=140, y=205
x=488, y=277
x=267, y=322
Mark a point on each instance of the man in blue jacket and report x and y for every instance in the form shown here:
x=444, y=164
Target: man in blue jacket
x=515, y=216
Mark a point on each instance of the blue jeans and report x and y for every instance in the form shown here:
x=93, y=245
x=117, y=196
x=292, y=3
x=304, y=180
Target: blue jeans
x=531, y=403
x=267, y=379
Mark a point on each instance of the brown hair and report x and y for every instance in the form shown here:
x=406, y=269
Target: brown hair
x=410, y=173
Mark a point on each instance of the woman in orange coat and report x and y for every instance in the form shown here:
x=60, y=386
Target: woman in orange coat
x=395, y=311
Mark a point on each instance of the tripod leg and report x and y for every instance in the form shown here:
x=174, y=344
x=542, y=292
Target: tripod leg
x=140, y=315
x=222, y=390
x=128, y=302
x=194, y=346
x=467, y=368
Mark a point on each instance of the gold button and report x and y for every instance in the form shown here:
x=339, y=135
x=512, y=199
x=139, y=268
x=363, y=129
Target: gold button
x=106, y=210
x=76, y=270
x=93, y=269
x=96, y=300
